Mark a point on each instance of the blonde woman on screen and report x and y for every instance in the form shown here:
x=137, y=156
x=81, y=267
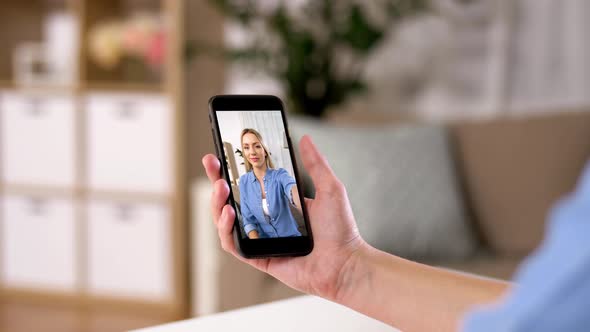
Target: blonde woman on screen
x=265, y=192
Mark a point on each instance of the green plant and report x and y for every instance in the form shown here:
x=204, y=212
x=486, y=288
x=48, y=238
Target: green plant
x=316, y=51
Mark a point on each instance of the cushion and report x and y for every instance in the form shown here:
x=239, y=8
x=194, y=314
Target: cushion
x=516, y=168
x=401, y=184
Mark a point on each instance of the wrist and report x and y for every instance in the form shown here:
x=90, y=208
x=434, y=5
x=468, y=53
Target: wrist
x=355, y=270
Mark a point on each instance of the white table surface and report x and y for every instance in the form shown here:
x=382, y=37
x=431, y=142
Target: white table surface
x=304, y=313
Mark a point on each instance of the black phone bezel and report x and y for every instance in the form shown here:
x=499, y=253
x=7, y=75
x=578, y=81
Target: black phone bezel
x=268, y=247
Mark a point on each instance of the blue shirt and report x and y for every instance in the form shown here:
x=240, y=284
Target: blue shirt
x=277, y=186
x=552, y=287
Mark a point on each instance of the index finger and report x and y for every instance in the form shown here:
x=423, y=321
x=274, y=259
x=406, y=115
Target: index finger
x=212, y=167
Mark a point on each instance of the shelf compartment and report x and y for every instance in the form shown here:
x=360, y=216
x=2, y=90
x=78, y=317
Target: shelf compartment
x=45, y=35
x=126, y=69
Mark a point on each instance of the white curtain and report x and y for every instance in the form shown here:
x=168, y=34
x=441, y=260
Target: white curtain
x=536, y=58
x=506, y=56
x=549, y=60
x=270, y=125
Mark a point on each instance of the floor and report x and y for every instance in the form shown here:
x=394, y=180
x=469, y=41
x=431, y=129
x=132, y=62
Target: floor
x=21, y=317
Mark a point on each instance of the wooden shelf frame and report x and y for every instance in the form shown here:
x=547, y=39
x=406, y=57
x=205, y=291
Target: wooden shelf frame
x=171, y=86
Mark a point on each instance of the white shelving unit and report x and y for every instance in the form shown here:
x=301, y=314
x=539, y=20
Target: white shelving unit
x=92, y=184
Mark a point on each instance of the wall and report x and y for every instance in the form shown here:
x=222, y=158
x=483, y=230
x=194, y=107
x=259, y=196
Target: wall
x=204, y=78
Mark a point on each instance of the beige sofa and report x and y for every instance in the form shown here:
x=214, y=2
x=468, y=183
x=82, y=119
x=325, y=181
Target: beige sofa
x=510, y=170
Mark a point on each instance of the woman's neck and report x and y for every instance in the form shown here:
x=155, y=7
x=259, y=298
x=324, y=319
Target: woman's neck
x=260, y=172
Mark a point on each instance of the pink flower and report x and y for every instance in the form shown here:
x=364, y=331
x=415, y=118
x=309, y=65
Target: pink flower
x=135, y=41
x=141, y=37
x=156, y=51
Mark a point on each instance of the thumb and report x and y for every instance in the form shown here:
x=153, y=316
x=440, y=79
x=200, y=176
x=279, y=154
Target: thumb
x=316, y=165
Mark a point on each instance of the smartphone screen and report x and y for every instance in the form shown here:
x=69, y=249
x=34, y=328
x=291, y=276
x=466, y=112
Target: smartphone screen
x=261, y=174
x=252, y=141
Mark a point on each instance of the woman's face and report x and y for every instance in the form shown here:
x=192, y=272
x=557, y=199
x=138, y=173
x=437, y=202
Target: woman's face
x=253, y=150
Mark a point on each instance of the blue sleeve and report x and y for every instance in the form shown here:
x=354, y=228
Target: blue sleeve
x=250, y=223
x=552, y=291
x=286, y=181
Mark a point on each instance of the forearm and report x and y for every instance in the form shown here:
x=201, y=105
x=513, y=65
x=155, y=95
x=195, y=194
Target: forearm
x=295, y=195
x=409, y=295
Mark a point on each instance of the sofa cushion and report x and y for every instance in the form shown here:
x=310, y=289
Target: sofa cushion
x=401, y=184
x=515, y=168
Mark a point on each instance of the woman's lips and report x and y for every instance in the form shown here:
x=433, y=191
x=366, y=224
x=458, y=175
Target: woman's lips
x=254, y=159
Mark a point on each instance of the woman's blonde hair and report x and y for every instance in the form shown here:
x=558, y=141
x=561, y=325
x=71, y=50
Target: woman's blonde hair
x=248, y=165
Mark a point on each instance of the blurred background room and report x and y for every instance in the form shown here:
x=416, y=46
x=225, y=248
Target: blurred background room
x=454, y=124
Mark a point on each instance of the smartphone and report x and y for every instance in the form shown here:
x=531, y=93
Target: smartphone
x=257, y=160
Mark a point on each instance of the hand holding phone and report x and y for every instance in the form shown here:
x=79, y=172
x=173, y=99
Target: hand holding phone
x=335, y=235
